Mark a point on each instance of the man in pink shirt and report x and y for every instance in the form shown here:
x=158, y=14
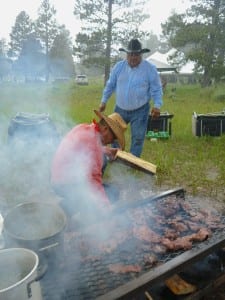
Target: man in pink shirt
x=77, y=167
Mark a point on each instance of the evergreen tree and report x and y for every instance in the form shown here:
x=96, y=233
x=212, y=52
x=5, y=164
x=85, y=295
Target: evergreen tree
x=20, y=31
x=200, y=35
x=47, y=29
x=5, y=63
x=61, y=59
x=31, y=61
x=107, y=23
x=3, y=48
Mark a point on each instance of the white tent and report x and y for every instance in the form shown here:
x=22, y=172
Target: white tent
x=188, y=68
x=161, y=59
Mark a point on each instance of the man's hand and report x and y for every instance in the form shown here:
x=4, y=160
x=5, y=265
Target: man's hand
x=102, y=107
x=155, y=113
x=110, y=152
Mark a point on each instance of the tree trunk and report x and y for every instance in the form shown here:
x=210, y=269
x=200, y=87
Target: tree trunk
x=206, y=79
x=108, y=42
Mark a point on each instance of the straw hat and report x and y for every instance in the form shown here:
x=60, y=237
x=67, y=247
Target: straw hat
x=116, y=124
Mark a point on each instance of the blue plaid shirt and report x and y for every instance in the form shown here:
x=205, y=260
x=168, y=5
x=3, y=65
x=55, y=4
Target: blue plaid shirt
x=134, y=87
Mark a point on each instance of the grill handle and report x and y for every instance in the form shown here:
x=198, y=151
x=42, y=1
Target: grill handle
x=179, y=192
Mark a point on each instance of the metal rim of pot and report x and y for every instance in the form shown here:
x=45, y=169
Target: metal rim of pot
x=14, y=214
x=32, y=275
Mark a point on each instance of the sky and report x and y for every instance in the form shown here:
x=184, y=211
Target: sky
x=159, y=11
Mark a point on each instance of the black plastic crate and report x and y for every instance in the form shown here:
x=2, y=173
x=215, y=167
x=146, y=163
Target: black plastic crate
x=161, y=124
x=209, y=124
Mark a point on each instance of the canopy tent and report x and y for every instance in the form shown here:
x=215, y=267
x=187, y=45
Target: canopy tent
x=161, y=66
x=188, y=68
x=160, y=61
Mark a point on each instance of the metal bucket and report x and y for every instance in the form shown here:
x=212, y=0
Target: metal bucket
x=19, y=278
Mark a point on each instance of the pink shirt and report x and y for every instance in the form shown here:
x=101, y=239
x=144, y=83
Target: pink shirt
x=79, y=158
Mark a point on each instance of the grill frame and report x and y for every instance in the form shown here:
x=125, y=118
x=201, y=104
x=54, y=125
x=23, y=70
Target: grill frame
x=135, y=287
x=157, y=274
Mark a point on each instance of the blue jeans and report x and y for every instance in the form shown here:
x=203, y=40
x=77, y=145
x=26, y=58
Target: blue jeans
x=138, y=120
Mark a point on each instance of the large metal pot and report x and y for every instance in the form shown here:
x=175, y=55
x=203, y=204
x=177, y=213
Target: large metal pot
x=19, y=278
x=37, y=226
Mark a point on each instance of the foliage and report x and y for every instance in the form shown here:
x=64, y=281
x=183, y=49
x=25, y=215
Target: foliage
x=5, y=63
x=61, y=59
x=47, y=29
x=3, y=48
x=31, y=60
x=106, y=24
x=22, y=29
x=200, y=35
x=34, y=43
x=5, y=67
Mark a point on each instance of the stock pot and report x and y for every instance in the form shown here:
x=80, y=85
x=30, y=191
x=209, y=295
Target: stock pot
x=19, y=278
x=38, y=226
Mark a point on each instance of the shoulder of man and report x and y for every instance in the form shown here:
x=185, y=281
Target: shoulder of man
x=118, y=67
x=149, y=64
x=119, y=64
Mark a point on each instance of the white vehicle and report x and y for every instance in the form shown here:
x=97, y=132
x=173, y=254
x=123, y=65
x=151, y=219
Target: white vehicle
x=81, y=79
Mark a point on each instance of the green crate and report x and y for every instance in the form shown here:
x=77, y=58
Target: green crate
x=157, y=135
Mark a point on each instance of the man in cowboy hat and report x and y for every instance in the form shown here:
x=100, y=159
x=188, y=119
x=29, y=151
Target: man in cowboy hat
x=135, y=82
x=76, y=172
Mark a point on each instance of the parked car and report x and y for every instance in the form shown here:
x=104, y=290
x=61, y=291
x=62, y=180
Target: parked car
x=81, y=79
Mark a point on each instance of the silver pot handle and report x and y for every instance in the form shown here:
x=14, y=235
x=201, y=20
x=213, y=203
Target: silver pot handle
x=39, y=276
x=49, y=247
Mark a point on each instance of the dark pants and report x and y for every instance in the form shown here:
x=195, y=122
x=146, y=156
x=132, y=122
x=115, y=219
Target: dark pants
x=138, y=120
x=74, y=201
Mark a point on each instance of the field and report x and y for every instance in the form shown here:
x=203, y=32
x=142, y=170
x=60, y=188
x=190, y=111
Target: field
x=196, y=164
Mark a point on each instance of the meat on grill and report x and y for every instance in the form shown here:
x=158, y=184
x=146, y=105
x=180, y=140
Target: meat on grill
x=171, y=234
x=144, y=233
x=185, y=242
x=121, y=268
x=180, y=243
x=178, y=226
x=202, y=235
x=152, y=231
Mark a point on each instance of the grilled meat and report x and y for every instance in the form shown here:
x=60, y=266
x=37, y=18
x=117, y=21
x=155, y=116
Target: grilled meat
x=202, y=235
x=121, y=268
x=180, y=243
x=144, y=233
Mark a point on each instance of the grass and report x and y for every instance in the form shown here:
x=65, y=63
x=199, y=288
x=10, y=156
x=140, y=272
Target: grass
x=195, y=163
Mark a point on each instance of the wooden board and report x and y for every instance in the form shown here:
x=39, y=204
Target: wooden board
x=179, y=286
x=136, y=162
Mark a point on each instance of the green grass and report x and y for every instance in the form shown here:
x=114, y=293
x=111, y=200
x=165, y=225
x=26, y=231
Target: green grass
x=195, y=163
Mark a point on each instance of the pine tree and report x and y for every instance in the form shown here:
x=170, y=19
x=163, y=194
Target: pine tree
x=47, y=29
x=20, y=31
x=61, y=59
x=200, y=35
x=107, y=23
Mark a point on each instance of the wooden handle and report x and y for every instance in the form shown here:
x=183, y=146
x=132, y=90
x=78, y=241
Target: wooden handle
x=148, y=296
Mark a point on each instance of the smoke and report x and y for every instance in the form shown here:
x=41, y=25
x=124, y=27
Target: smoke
x=27, y=148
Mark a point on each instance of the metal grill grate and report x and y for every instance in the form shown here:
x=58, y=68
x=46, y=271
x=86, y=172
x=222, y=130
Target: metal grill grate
x=84, y=277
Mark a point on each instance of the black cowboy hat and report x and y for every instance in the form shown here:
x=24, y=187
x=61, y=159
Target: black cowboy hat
x=134, y=46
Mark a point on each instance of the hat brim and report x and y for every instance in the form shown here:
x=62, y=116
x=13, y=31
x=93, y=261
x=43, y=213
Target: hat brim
x=116, y=131
x=145, y=50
